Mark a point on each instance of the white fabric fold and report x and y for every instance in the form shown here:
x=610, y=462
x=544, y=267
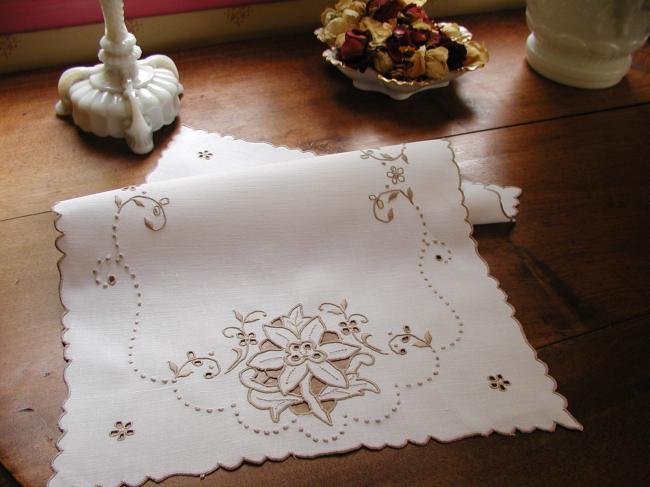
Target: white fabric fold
x=304, y=308
x=197, y=152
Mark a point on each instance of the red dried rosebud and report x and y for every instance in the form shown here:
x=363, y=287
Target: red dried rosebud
x=418, y=37
x=434, y=39
x=414, y=13
x=384, y=10
x=400, y=34
x=355, y=45
x=457, y=53
x=393, y=46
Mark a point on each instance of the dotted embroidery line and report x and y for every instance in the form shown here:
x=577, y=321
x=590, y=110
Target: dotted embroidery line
x=196, y=407
x=256, y=430
x=444, y=256
x=428, y=378
x=448, y=257
x=324, y=439
x=378, y=420
x=111, y=280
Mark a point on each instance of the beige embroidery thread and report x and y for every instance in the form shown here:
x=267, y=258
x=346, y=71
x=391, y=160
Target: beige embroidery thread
x=246, y=339
x=198, y=362
x=305, y=367
x=350, y=325
x=122, y=431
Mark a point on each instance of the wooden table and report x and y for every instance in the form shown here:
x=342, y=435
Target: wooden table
x=575, y=265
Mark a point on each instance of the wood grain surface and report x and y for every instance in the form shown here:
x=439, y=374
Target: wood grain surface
x=575, y=265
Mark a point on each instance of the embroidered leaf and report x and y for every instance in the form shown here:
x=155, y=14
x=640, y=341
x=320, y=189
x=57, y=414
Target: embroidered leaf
x=149, y=225
x=357, y=387
x=391, y=215
x=164, y=201
x=380, y=204
x=392, y=196
x=421, y=344
x=409, y=195
x=295, y=315
x=386, y=156
x=357, y=361
x=427, y=338
x=335, y=312
x=274, y=401
x=239, y=316
x=404, y=158
x=173, y=367
x=187, y=373
x=239, y=353
x=344, y=304
x=138, y=202
x=364, y=339
x=118, y=201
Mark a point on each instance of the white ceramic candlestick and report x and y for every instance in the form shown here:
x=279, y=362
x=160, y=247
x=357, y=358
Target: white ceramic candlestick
x=123, y=97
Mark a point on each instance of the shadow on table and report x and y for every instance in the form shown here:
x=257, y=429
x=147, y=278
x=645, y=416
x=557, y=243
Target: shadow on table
x=420, y=112
x=6, y=479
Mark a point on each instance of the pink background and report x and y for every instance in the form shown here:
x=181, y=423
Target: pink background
x=26, y=15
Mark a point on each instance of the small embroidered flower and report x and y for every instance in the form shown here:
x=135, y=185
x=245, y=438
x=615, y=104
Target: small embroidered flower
x=348, y=327
x=121, y=431
x=246, y=339
x=204, y=154
x=396, y=174
x=498, y=382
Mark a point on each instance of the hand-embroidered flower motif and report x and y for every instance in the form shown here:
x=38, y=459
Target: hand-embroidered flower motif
x=396, y=174
x=183, y=370
x=498, y=382
x=122, y=430
x=205, y=154
x=246, y=338
x=400, y=343
x=350, y=326
x=302, y=353
x=303, y=366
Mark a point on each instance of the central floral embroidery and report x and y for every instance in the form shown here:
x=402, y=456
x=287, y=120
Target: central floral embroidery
x=303, y=366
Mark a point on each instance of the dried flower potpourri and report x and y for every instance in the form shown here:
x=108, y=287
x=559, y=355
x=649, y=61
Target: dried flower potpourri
x=398, y=40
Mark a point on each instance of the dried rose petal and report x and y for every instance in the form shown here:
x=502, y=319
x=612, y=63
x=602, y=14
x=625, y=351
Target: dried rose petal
x=457, y=53
x=384, y=10
x=354, y=46
x=413, y=14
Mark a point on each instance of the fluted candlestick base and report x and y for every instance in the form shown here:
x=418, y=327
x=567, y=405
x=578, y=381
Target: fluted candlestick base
x=122, y=97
